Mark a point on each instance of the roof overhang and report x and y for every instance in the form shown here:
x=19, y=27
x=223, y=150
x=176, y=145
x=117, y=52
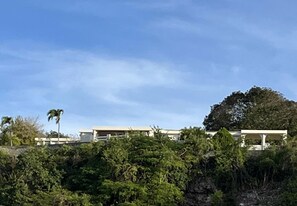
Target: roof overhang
x=121, y=128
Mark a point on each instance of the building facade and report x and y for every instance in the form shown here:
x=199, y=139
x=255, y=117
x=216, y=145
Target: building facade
x=54, y=141
x=255, y=139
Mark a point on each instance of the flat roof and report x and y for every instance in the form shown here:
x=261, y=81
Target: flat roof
x=146, y=128
x=86, y=131
x=231, y=132
x=246, y=131
x=122, y=128
x=170, y=131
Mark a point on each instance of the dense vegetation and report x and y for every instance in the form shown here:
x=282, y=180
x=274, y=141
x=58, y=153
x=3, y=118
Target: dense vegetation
x=258, y=108
x=20, y=131
x=142, y=170
x=24, y=131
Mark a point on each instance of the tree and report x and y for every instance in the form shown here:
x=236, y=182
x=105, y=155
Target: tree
x=34, y=171
x=258, y=108
x=229, y=160
x=56, y=113
x=54, y=134
x=6, y=124
x=20, y=130
x=26, y=130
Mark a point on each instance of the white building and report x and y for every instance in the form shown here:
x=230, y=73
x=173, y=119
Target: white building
x=54, y=141
x=256, y=139
x=261, y=139
x=105, y=132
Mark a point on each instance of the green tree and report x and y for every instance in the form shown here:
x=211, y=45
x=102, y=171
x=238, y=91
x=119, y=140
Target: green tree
x=229, y=160
x=258, y=108
x=195, y=148
x=229, y=113
x=20, y=130
x=56, y=113
x=34, y=170
x=6, y=126
x=59, y=197
x=26, y=130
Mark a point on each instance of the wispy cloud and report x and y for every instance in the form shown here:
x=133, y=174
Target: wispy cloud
x=221, y=23
x=276, y=38
x=54, y=78
x=163, y=63
x=103, y=78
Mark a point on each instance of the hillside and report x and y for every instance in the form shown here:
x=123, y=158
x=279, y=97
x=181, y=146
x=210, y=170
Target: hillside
x=142, y=170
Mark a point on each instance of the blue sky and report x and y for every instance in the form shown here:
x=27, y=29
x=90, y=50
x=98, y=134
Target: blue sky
x=137, y=62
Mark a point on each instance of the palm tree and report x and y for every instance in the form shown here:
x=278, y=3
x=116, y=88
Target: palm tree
x=7, y=121
x=56, y=113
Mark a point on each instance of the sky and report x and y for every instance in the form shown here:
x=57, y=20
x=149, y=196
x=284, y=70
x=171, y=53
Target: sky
x=141, y=62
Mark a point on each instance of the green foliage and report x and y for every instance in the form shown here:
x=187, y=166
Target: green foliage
x=217, y=198
x=6, y=130
x=120, y=193
x=39, y=170
x=20, y=131
x=59, y=198
x=275, y=164
x=35, y=170
x=260, y=108
x=223, y=140
x=228, y=113
x=7, y=138
x=55, y=113
x=289, y=193
x=142, y=170
x=26, y=130
x=192, y=132
x=228, y=153
x=164, y=194
x=228, y=160
x=195, y=148
x=54, y=134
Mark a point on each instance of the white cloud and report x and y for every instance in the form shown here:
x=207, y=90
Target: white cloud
x=104, y=78
x=225, y=24
x=47, y=77
x=278, y=38
x=51, y=76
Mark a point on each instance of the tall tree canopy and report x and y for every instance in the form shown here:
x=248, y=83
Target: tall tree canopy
x=258, y=108
x=56, y=113
x=20, y=131
x=6, y=124
x=26, y=129
x=6, y=121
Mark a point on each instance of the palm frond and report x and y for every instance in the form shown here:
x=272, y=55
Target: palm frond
x=55, y=113
x=6, y=120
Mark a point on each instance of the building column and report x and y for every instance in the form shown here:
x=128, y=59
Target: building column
x=94, y=135
x=242, y=140
x=263, y=139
